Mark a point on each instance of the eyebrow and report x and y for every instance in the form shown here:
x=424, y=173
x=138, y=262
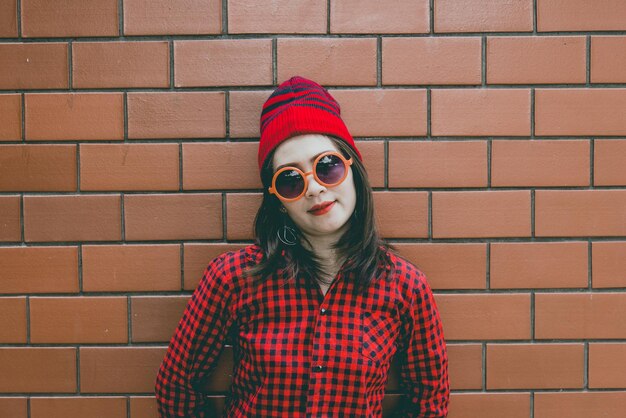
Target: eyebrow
x=297, y=165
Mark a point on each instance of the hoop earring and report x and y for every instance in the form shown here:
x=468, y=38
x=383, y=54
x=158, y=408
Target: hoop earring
x=286, y=233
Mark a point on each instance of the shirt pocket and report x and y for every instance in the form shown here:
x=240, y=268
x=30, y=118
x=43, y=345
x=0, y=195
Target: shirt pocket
x=379, y=332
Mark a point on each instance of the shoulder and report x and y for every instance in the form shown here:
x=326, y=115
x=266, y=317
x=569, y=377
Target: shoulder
x=232, y=262
x=408, y=276
x=228, y=267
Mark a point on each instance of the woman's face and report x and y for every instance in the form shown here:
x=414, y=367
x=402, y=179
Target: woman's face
x=300, y=151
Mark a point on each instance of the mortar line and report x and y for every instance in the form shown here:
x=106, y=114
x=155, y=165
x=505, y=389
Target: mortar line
x=123, y=237
x=120, y=17
x=172, y=67
x=22, y=232
x=588, y=61
x=79, y=255
x=483, y=60
x=274, y=61
x=129, y=311
x=227, y=114
x=379, y=61
x=182, y=266
x=23, y=116
x=534, y=32
x=70, y=65
x=224, y=30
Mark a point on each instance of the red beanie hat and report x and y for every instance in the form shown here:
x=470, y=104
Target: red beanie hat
x=300, y=106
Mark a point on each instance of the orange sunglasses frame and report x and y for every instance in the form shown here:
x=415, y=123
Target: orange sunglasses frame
x=347, y=164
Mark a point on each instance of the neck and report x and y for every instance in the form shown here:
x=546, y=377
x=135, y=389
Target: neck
x=330, y=259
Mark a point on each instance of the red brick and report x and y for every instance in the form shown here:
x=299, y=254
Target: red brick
x=485, y=316
x=580, y=315
x=39, y=269
x=173, y=216
x=449, y=266
x=120, y=64
x=580, y=213
x=438, y=164
x=465, y=366
x=8, y=24
x=609, y=161
x=172, y=17
x=431, y=60
x=481, y=16
x=72, y=218
x=373, y=153
x=480, y=112
x=13, y=314
x=176, y=115
x=13, y=407
x=489, y=405
x=198, y=256
x=143, y=407
x=580, y=111
x=371, y=16
x=580, y=15
x=388, y=112
x=280, y=16
x=534, y=366
x=36, y=168
x=607, y=365
x=33, y=66
x=402, y=214
x=225, y=165
x=608, y=59
x=245, y=112
x=154, y=319
x=223, y=62
x=333, y=61
x=78, y=407
x=540, y=163
x=241, y=209
x=608, y=264
x=74, y=116
x=536, y=59
x=79, y=320
x=538, y=265
x=69, y=18
x=35, y=370
x=10, y=117
x=580, y=404
x=129, y=167
x=481, y=214
x=119, y=369
x=10, y=229
x=131, y=268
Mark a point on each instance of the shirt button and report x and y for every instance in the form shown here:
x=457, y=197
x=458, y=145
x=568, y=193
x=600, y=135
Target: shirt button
x=318, y=368
x=323, y=311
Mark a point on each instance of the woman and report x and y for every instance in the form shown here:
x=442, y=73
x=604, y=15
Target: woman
x=319, y=305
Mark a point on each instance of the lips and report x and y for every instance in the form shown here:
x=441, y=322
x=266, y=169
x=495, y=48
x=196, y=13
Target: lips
x=320, y=207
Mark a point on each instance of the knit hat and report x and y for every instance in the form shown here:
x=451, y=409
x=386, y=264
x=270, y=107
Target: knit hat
x=300, y=106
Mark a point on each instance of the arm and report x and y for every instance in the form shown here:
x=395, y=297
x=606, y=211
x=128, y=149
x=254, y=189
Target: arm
x=195, y=345
x=424, y=371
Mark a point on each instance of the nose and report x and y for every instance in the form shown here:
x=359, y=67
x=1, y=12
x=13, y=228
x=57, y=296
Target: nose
x=313, y=188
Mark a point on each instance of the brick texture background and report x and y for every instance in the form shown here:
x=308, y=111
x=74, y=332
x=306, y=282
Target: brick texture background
x=494, y=134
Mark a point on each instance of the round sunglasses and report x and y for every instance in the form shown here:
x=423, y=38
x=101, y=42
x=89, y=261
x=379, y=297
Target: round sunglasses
x=329, y=169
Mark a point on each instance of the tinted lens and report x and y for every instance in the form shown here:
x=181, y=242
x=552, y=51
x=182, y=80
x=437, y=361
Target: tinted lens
x=289, y=184
x=330, y=169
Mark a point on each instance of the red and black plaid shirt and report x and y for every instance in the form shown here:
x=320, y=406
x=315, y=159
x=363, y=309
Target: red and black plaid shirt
x=299, y=353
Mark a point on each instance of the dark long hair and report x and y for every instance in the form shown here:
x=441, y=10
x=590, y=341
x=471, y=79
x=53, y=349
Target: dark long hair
x=361, y=245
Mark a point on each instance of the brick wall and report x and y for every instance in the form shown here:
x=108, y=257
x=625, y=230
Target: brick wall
x=494, y=134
